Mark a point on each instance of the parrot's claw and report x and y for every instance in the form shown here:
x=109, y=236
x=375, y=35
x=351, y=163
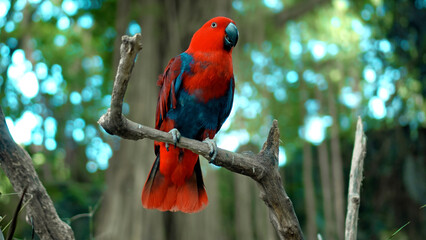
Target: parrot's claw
x=176, y=137
x=213, y=149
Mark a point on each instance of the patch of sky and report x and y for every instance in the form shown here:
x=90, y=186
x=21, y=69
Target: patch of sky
x=17, y=17
x=94, y=63
x=314, y=129
x=318, y=49
x=2, y=22
x=21, y=130
x=367, y=12
x=349, y=98
x=106, y=100
x=95, y=80
x=357, y=26
x=335, y=22
x=45, y=11
x=238, y=5
x=19, y=5
x=253, y=109
x=63, y=23
x=133, y=28
x=87, y=94
x=75, y=98
x=41, y=70
x=78, y=134
x=9, y=27
x=258, y=58
x=369, y=90
x=296, y=49
x=272, y=81
x=232, y=140
x=312, y=106
x=59, y=99
x=385, y=46
x=274, y=5
x=60, y=40
x=49, y=86
x=37, y=137
x=11, y=99
x=369, y=74
x=85, y=21
x=321, y=82
x=332, y=49
x=4, y=8
x=70, y=7
x=377, y=108
x=50, y=144
x=282, y=159
x=309, y=76
x=280, y=94
x=12, y=42
x=50, y=126
x=90, y=131
x=292, y=77
x=258, y=77
x=99, y=153
x=91, y=166
x=37, y=55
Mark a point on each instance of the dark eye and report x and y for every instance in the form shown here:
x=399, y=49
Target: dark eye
x=214, y=24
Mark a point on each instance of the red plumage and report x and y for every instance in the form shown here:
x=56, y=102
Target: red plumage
x=195, y=97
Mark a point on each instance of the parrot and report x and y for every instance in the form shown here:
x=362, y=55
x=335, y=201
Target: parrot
x=195, y=98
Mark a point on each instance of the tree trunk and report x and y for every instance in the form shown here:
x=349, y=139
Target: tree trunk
x=326, y=181
x=121, y=215
x=308, y=183
x=337, y=169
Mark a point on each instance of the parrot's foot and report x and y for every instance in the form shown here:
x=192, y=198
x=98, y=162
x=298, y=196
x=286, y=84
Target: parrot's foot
x=213, y=149
x=176, y=137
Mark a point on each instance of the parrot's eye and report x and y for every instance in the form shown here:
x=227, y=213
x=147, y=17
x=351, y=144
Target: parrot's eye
x=214, y=24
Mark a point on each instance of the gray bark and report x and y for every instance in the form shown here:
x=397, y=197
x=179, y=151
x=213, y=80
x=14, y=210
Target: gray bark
x=18, y=167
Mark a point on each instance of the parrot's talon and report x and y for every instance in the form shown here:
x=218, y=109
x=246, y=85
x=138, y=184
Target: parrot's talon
x=213, y=149
x=167, y=147
x=176, y=136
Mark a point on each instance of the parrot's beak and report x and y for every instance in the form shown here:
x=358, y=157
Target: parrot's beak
x=231, y=36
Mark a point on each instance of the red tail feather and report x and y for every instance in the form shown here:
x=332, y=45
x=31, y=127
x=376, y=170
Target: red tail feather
x=175, y=182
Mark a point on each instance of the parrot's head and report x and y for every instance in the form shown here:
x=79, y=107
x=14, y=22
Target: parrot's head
x=218, y=34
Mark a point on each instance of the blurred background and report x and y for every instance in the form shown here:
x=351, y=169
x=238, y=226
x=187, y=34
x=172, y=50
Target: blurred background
x=314, y=65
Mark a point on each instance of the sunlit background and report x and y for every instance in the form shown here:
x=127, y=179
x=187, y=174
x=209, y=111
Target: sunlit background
x=337, y=61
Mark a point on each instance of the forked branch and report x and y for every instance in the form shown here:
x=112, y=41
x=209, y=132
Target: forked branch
x=262, y=167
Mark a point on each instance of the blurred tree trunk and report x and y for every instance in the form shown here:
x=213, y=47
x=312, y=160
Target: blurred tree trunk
x=167, y=27
x=243, y=209
x=308, y=183
x=121, y=215
x=326, y=181
x=309, y=190
x=337, y=169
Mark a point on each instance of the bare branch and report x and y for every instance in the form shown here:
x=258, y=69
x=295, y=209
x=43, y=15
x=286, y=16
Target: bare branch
x=17, y=165
x=262, y=167
x=355, y=180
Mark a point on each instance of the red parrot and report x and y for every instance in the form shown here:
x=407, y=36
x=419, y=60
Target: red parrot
x=196, y=95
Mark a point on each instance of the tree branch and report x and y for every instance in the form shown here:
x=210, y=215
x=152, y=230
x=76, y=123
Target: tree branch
x=262, y=167
x=17, y=164
x=355, y=180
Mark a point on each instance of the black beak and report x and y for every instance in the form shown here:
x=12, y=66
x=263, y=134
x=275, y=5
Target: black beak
x=231, y=36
